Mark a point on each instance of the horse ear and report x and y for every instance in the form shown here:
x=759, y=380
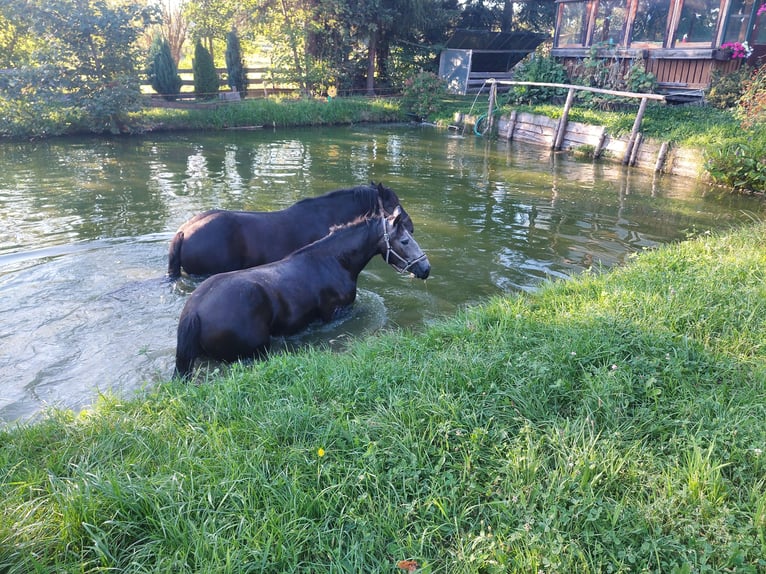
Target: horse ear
x=396, y=216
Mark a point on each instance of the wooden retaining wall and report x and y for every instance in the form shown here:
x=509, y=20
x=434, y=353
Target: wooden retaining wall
x=646, y=154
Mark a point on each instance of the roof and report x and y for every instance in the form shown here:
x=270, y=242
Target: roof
x=484, y=40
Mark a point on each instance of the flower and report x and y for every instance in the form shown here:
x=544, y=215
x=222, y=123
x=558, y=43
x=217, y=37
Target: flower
x=320, y=452
x=738, y=50
x=761, y=9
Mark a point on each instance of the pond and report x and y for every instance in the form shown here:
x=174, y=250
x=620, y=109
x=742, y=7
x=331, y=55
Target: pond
x=85, y=225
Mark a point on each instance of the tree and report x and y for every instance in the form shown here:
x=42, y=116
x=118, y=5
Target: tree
x=85, y=56
x=205, y=76
x=235, y=67
x=163, y=72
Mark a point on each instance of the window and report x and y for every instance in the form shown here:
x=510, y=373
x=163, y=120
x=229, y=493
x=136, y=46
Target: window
x=651, y=22
x=610, y=22
x=572, y=24
x=697, y=22
x=738, y=21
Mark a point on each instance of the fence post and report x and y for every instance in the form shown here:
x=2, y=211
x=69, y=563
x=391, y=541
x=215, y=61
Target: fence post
x=562, y=127
x=634, y=132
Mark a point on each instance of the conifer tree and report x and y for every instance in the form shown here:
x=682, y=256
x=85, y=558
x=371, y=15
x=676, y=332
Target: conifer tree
x=235, y=67
x=163, y=73
x=205, y=76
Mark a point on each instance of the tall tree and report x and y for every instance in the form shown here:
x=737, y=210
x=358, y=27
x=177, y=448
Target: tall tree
x=235, y=67
x=205, y=76
x=163, y=72
x=88, y=51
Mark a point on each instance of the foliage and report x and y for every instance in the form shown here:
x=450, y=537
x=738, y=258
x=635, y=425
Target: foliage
x=726, y=88
x=598, y=71
x=90, y=51
x=751, y=109
x=538, y=67
x=162, y=72
x=609, y=423
x=206, y=82
x=423, y=93
x=739, y=165
x=235, y=67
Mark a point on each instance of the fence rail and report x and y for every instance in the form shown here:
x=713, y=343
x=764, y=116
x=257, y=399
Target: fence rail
x=259, y=82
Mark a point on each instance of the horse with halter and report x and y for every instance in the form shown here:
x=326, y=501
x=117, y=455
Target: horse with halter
x=233, y=315
x=219, y=240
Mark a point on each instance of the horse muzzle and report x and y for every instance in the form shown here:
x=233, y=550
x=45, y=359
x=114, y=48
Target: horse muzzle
x=421, y=268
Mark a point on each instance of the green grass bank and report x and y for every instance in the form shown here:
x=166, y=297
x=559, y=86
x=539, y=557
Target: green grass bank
x=610, y=423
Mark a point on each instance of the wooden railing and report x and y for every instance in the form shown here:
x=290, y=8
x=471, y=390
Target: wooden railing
x=259, y=83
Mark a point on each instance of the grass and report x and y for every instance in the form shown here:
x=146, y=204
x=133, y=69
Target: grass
x=610, y=423
x=276, y=112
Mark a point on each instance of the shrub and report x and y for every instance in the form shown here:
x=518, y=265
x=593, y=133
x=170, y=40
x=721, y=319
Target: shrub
x=751, y=109
x=538, y=67
x=235, y=67
x=205, y=77
x=740, y=165
x=163, y=73
x=423, y=93
x=726, y=89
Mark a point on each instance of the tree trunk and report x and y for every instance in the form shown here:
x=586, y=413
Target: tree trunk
x=506, y=25
x=372, y=50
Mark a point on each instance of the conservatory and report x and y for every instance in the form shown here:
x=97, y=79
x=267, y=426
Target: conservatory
x=682, y=42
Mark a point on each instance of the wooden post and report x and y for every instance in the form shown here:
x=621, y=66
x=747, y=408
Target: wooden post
x=600, y=144
x=491, y=108
x=661, y=157
x=562, y=127
x=636, y=147
x=511, y=125
x=634, y=132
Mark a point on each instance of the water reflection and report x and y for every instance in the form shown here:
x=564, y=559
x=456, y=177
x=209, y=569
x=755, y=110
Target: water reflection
x=84, y=226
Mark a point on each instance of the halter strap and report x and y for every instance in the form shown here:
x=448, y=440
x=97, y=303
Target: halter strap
x=389, y=250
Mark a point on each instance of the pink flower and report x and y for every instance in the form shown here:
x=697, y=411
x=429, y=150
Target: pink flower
x=761, y=9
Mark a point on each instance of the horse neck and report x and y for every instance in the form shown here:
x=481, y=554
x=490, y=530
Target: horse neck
x=359, y=243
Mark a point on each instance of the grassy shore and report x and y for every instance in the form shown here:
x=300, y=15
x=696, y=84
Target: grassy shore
x=610, y=423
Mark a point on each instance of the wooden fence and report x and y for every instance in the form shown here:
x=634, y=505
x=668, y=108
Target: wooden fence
x=260, y=83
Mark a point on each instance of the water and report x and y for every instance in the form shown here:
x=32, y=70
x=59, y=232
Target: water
x=85, y=224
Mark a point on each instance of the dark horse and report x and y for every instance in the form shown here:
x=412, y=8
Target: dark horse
x=217, y=241
x=234, y=315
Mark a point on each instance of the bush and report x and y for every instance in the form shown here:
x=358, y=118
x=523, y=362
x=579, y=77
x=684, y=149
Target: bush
x=539, y=67
x=163, y=73
x=235, y=68
x=423, y=94
x=751, y=109
x=740, y=166
x=205, y=77
x=726, y=89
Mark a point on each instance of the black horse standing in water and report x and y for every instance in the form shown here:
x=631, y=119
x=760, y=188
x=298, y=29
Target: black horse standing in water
x=218, y=240
x=234, y=315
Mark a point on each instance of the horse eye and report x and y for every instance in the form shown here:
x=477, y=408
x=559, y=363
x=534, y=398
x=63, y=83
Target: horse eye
x=405, y=241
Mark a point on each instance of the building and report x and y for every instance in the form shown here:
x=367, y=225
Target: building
x=682, y=42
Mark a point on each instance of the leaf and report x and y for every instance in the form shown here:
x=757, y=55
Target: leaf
x=407, y=565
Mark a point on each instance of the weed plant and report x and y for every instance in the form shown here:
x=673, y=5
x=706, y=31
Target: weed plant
x=610, y=423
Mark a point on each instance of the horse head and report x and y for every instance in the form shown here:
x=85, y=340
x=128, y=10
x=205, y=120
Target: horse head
x=399, y=248
x=389, y=201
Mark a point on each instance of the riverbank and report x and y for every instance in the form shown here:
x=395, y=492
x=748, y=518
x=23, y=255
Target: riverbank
x=607, y=423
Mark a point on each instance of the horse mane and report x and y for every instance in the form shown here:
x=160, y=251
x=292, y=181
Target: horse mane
x=368, y=194
x=354, y=222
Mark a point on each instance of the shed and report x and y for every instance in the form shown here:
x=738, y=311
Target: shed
x=470, y=57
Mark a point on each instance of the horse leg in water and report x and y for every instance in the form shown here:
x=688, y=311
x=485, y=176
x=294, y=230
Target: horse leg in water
x=174, y=256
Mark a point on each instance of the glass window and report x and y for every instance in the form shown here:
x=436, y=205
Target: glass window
x=651, y=22
x=572, y=24
x=697, y=23
x=610, y=22
x=738, y=21
x=759, y=32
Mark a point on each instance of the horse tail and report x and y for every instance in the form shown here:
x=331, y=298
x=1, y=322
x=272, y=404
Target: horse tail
x=174, y=256
x=187, y=344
